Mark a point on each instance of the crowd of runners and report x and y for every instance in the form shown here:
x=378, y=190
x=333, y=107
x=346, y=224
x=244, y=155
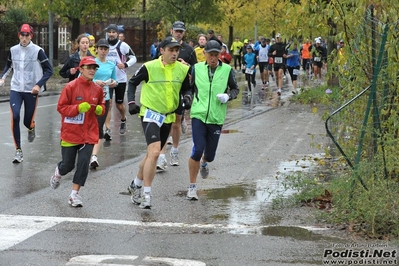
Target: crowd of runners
x=199, y=76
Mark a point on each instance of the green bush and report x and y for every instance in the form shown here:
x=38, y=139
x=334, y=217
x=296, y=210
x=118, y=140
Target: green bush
x=373, y=213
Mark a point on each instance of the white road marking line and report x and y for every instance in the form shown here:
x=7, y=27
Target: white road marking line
x=107, y=260
x=16, y=228
x=38, y=107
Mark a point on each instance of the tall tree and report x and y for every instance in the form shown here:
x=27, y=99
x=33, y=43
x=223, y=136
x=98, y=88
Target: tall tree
x=77, y=11
x=188, y=11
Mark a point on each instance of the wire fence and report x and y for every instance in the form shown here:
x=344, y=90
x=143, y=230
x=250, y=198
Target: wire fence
x=364, y=128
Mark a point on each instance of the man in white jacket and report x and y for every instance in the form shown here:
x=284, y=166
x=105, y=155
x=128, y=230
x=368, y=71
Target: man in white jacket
x=31, y=70
x=124, y=57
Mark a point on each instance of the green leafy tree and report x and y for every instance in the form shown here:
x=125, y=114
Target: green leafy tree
x=189, y=11
x=234, y=18
x=77, y=12
x=12, y=20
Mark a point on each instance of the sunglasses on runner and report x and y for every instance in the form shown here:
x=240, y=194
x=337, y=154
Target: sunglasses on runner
x=91, y=67
x=24, y=34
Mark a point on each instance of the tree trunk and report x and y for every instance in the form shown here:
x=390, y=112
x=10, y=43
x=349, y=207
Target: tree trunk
x=75, y=32
x=231, y=37
x=331, y=46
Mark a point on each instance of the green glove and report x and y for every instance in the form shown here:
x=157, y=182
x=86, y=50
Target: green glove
x=84, y=107
x=99, y=110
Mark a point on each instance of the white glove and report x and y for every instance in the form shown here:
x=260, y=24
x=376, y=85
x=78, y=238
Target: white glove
x=223, y=97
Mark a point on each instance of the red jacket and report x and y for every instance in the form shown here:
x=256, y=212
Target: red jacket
x=79, y=128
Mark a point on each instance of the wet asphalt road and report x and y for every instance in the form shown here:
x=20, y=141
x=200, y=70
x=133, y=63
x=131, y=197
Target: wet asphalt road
x=231, y=224
x=41, y=156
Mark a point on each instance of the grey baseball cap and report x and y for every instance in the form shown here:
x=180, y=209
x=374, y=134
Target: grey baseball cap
x=213, y=46
x=102, y=43
x=179, y=25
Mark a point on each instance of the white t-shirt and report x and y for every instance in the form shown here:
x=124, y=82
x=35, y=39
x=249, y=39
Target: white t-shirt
x=123, y=57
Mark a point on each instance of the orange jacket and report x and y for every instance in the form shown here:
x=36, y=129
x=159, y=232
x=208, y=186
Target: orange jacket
x=305, y=53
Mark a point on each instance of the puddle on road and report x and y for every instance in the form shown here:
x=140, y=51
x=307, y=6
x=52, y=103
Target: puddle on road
x=226, y=131
x=245, y=204
x=297, y=233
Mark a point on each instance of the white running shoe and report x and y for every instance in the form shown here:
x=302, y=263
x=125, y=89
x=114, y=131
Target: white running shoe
x=183, y=126
x=192, y=193
x=55, y=179
x=204, y=171
x=135, y=193
x=162, y=163
x=146, y=201
x=94, y=162
x=174, y=158
x=169, y=141
x=18, y=158
x=75, y=200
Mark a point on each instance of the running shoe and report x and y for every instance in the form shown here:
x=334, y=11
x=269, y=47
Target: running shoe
x=162, y=163
x=174, y=158
x=31, y=135
x=55, y=179
x=249, y=94
x=94, y=162
x=192, y=193
x=145, y=201
x=135, y=192
x=122, y=128
x=75, y=200
x=183, y=126
x=170, y=141
x=107, y=134
x=204, y=170
x=18, y=158
x=279, y=92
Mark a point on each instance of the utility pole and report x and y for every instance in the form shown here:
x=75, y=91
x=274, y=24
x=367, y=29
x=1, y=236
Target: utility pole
x=144, y=35
x=50, y=35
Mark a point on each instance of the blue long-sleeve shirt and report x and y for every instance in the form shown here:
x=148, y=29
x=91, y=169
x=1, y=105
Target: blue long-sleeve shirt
x=293, y=61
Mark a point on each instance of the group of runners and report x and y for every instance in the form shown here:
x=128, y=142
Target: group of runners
x=275, y=57
x=173, y=81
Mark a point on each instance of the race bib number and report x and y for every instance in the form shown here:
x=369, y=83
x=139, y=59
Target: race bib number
x=78, y=120
x=263, y=58
x=317, y=59
x=295, y=72
x=106, y=92
x=249, y=71
x=278, y=60
x=151, y=116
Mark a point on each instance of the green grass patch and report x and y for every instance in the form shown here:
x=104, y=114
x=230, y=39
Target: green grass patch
x=56, y=73
x=371, y=213
x=317, y=95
